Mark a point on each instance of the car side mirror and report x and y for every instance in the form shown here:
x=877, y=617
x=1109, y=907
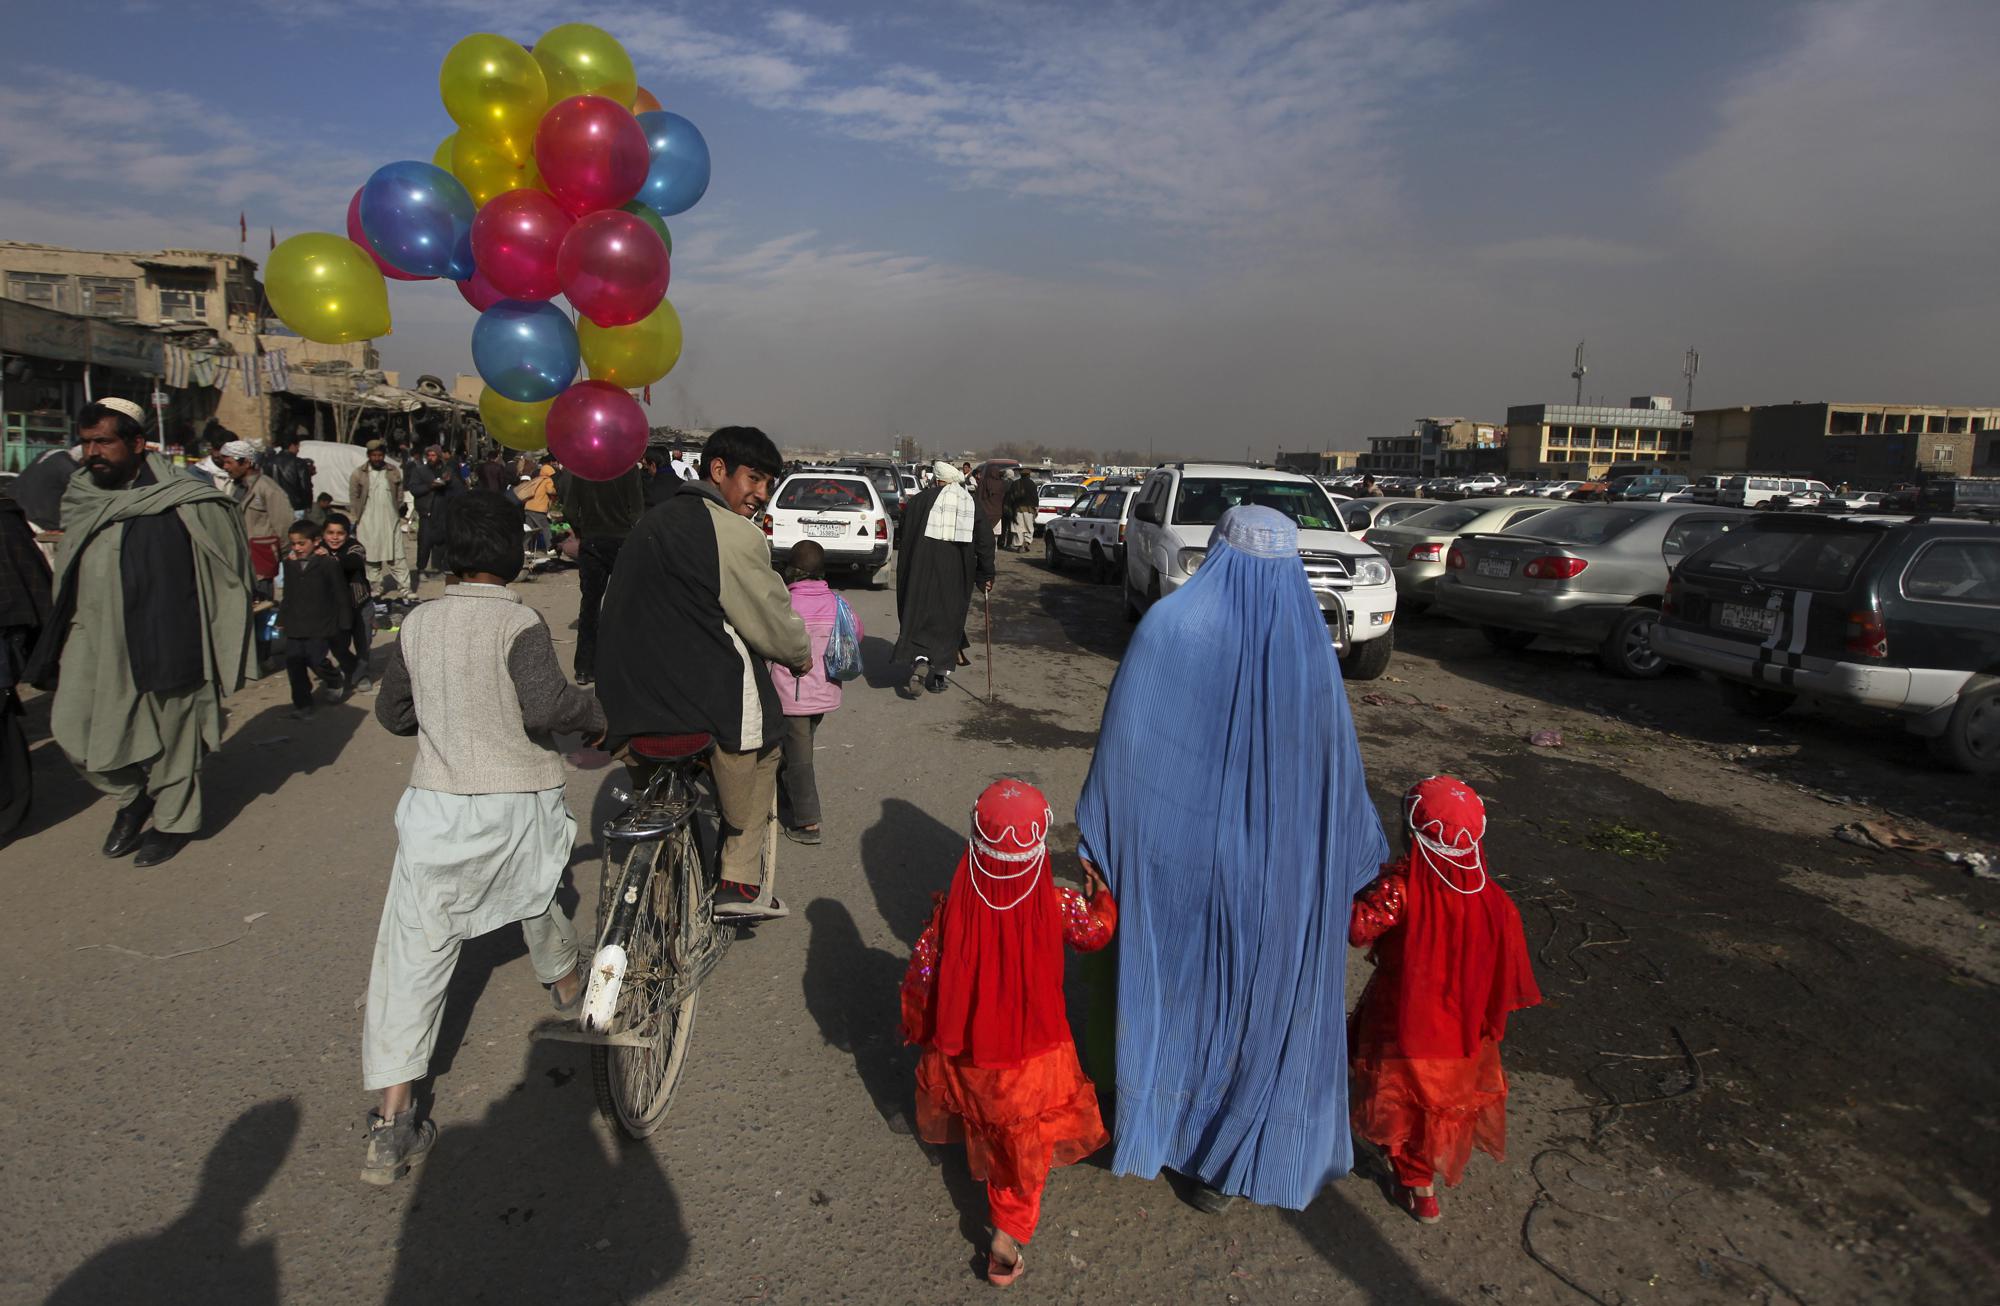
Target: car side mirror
x=1147, y=513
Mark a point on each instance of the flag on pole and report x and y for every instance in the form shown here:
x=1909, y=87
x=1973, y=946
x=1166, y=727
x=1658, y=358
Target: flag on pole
x=242, y=226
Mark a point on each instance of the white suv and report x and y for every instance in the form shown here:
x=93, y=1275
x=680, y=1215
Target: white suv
x=1175, y=512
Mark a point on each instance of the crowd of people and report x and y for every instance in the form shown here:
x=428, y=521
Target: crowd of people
x=1233, y=897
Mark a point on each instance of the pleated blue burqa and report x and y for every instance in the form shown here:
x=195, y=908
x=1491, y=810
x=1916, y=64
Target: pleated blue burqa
x=1227, y=807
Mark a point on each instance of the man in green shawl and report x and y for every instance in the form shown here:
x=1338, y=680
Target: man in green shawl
x=151, y=629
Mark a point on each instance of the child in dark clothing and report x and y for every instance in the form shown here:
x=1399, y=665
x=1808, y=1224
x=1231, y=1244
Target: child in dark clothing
x=316, y=608
x=337, y=538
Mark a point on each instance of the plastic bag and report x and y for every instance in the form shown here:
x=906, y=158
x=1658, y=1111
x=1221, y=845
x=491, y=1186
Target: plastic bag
x=843, y=647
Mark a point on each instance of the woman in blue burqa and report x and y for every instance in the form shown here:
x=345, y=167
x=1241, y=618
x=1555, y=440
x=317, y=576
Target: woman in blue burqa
x=1227, y=807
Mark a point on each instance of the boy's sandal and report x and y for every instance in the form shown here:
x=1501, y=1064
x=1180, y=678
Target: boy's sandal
x=1001, y=1278
x=756, y=909
x=802, y=835
x=575, y=1005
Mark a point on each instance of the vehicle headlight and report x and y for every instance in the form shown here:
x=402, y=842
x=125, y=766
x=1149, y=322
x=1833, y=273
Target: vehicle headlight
x=1191, y=559
x=1371, y=571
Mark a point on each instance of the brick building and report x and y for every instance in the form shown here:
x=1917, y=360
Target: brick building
x=1869, y=446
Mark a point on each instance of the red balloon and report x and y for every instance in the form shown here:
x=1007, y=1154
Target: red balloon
x=613, y=267
x=592, y=153
x=359, y=237
x=597, y=430
x=477, y=291
x=514, y=241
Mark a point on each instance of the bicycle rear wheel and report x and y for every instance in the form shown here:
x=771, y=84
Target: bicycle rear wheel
x=635, y=1083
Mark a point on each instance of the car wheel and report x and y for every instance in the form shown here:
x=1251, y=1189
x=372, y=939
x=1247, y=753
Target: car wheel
x=1971, y=738
x=1507, y=641
x=1756, y=702
x=1049, y=552
x=1628, y=650
x=1367, y=661
x=1100, y=566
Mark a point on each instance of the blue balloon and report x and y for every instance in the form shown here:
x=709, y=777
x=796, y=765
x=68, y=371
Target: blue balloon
x=679, y=172
x=525, y=351
x=419, y=219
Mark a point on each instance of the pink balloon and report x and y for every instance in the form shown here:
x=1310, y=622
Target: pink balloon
x=477, y=291
x=359, y=237
x=515, y=239
x=613, y=267
x=592, y=153
x=597, y=430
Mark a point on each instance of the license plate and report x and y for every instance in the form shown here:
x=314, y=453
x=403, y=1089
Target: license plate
x=1498, y=568
x=1743, y=617
x=819, y=530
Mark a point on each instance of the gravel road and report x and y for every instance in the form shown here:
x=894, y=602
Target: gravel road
x=1762, y=1072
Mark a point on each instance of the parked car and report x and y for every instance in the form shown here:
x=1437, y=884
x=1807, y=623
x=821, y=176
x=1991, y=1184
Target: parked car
x=1177, y=508
x=1753, y=491
x=1652, y=489
x=1415, y=547
x=1054, y=499
x=1589, y=492
x=1962, y=496
x=885, y=476
x=1093, y=532
x=1556, y=489
x=1857, y=501
x=1898, y=615
x=1483, y=483
x=1589, y=572
x=842, y=512
x=1360, y=516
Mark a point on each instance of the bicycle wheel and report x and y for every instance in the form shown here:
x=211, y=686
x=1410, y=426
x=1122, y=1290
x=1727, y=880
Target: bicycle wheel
x=635, y=1083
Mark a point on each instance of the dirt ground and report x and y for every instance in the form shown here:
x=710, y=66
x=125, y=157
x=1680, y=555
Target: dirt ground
x=1760, y=1073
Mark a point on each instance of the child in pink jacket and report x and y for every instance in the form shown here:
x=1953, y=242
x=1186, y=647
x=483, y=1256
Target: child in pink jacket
x=810, y=697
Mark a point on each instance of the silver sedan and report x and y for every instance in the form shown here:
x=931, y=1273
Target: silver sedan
x=1415, y=546
x=1583, y=571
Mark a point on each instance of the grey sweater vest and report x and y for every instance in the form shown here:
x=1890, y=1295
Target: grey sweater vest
x=470, y=736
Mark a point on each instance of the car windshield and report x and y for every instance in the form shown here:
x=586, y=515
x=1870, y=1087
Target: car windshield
x=1584, y=524
x=823, y=494
x=1796, y=559
x=1202, y=500
x=884, y=480
x=1450, y=518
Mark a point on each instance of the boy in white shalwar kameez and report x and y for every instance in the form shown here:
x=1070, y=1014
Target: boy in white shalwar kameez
x=482, y=832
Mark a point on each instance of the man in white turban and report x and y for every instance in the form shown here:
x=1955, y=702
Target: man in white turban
x=946, y=547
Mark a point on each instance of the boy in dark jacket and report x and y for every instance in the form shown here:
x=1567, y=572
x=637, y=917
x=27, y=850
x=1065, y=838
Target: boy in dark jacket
x=337, y=538
x=315, y=610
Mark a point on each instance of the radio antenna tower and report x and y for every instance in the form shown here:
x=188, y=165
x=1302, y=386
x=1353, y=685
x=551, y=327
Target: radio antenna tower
x=1689, y=366
x=1580, y=372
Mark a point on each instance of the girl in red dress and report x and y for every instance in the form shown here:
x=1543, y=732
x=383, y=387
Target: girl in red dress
x=1450, y=963
x=984, y=998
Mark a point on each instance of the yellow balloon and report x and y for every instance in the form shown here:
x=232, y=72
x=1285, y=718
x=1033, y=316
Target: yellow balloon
x=578, y=59
x=494, y=89
x=519, y=426
x=632, y=356
x=327, y=288
x=486, y=171
x=441, y=156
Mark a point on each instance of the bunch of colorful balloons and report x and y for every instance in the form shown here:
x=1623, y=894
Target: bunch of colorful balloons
x=558, y=181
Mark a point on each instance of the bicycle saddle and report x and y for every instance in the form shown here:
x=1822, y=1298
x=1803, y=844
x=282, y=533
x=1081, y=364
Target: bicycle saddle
x=670, y=748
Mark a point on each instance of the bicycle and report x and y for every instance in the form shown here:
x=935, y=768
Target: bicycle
x=658, y=938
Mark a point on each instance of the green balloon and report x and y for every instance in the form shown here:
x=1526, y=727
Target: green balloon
x=653, y=220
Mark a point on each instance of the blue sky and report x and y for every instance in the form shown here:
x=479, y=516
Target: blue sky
x=1190, y=227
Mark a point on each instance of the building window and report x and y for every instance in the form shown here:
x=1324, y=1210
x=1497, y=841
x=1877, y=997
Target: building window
x=1934, y=424
x=109, y=296
x=1941, y=455
x=1840, y=422
x=42, y=289
x=183, y=304
x=1954, y=426
x=1871, y=424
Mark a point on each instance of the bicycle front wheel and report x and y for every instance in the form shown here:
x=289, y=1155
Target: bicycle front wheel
x=635, y=1082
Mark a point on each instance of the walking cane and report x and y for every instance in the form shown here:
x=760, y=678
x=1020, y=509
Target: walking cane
x=989, y=643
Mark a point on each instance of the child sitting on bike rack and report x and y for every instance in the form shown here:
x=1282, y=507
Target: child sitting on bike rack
x=984, y=998
x=483, y=836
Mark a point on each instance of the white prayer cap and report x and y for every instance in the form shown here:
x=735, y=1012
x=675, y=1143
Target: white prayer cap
x=125, y=406
x=945, y=472
x=242, y=449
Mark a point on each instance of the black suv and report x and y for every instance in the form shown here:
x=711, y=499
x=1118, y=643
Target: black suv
x=1899, y=615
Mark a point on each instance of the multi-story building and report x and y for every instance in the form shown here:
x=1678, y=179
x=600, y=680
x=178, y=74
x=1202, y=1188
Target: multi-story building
x=1437, y=446
x=1869, y=446
x=207, y=303
x=1322, y=462
x=1582, y=441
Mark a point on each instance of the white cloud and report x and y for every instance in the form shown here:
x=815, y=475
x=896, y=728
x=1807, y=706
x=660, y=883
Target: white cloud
x=804, y=32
